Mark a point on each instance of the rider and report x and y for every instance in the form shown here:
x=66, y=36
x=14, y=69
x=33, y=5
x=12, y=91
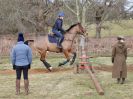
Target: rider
x=58, y=30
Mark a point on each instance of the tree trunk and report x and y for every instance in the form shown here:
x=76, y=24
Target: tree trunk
x=98, y=29
x=77, y=7
x=83, y=15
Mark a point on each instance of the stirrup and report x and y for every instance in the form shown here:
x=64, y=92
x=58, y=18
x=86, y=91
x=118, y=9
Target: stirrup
x=59, y=46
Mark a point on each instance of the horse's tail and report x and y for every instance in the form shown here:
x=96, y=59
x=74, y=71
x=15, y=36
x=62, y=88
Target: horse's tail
x=31, y=43
x=27, y=41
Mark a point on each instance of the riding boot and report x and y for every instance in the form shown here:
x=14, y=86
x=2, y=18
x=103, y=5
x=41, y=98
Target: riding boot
x=59, y=44
x=118, y=80
x=123, y=80
x=17, y=87
x=26, y=85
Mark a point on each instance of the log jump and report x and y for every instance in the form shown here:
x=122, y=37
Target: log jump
x=84, y=64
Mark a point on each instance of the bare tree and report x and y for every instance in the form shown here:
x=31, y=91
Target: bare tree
x=106, y=10
x=78, y=8
x=38, y=15
x=26, y=15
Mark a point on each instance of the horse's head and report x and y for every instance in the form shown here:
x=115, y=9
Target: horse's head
x=77, y=28
x=80, y=29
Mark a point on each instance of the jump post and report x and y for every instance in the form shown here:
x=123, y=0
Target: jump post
x=85, y=65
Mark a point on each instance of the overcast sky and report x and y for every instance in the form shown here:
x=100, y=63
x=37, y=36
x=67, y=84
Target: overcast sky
x=129, y=4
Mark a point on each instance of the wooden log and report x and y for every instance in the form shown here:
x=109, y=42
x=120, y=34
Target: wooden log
x=84, y=67
x=96, y=83
x=76, y=69
x=82, y=63
x=84, y=57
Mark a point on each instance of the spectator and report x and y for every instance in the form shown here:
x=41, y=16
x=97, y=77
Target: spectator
x=119, y=56
x=21, y=57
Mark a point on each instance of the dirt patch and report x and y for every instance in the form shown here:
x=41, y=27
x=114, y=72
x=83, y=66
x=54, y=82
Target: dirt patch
x=5, y=71
x=102, y=67
x=108, y=68
x=37, y=71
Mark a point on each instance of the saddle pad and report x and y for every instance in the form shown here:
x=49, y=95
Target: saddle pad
x=52, y=39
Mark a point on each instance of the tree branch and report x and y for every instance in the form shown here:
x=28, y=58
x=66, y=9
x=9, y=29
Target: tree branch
x=70, y=8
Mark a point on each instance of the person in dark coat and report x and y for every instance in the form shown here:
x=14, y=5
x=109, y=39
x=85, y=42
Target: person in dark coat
x=119, y=56
x=21, y=57
x=58, y=30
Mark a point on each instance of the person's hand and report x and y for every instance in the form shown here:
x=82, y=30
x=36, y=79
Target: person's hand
x=29, y=66
x=14, y=67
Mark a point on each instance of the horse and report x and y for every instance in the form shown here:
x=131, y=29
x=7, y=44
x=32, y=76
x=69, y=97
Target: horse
x=42, y=45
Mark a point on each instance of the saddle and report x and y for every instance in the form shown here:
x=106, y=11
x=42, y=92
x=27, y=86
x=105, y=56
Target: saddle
x=53, y=38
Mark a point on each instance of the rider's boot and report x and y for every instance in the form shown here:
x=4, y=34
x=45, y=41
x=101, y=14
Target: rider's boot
x=123, y=80
x=26, y=86
x=17, y=86
x=118, y=80
x=59, y=43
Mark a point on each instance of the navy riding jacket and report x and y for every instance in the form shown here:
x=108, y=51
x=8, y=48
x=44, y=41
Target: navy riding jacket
x=58, y=25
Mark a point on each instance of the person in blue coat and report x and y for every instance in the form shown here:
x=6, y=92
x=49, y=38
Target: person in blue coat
x=58, y=30
x=21, y=58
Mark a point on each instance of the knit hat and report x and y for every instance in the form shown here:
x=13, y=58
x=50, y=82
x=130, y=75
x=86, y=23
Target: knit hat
x=120, y=38
x=20, y=37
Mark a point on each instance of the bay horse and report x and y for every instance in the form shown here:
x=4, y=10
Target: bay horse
x=42, y=45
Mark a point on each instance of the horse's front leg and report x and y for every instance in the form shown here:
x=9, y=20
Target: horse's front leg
x=66, y=53
x=73, y=58
x=46, y=64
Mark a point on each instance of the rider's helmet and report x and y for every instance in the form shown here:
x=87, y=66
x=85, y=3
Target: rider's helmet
x=61, y=14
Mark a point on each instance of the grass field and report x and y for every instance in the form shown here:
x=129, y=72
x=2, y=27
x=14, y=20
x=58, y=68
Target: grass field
x=124, y=28
x=65, y=84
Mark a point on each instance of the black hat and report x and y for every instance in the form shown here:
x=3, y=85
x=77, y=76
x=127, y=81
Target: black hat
x=120, y=38
x=20, y=37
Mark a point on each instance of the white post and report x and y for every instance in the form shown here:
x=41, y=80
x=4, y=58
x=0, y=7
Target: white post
x=82, y=42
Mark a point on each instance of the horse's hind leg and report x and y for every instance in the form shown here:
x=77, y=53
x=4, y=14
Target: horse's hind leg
x=66, y=53
x=46, y=64
x=73, y=58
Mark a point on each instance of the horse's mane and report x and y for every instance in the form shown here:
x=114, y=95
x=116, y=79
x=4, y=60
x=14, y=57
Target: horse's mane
x=71, y=27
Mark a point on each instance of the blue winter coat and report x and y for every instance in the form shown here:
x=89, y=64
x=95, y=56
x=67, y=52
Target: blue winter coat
x=21, y=54
x=58, y=25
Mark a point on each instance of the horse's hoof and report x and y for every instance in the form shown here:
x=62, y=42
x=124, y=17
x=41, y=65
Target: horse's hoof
x=60, y=64
x=71, y=63
x=50, y=69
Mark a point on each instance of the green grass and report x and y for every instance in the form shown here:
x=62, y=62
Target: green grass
x=107, y=61
x=65, y=85
x=124, y=28
x=54, y=61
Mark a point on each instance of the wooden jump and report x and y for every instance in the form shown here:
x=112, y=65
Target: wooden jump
x=84, y=64
x=96, y=83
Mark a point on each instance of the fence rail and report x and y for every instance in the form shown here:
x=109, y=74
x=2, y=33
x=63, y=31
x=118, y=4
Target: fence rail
x=96, y=47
